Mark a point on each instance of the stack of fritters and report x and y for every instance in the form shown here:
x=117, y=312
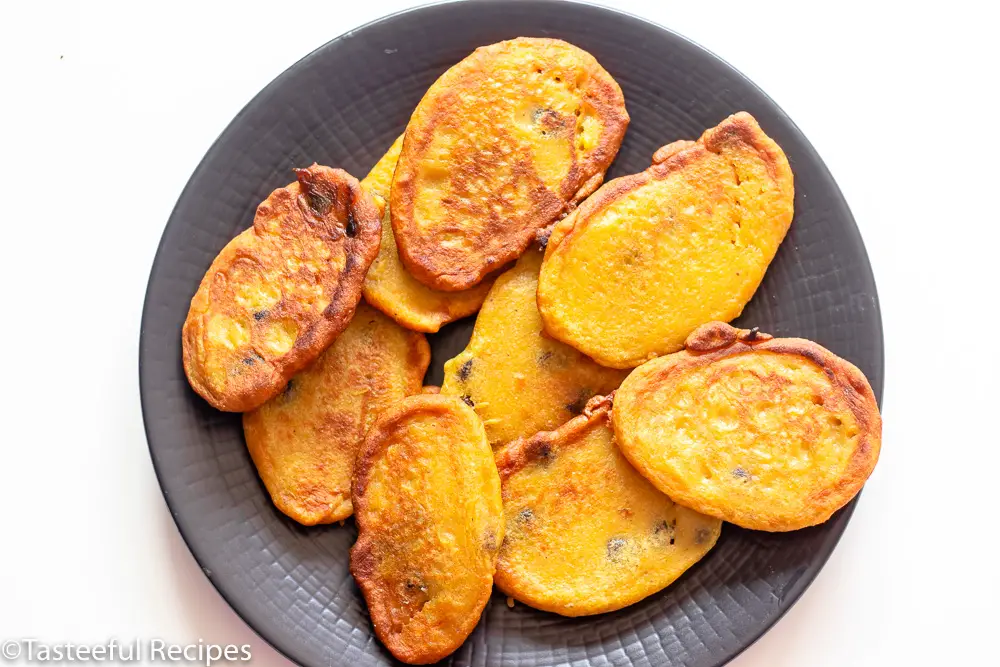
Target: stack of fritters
x=530, y=467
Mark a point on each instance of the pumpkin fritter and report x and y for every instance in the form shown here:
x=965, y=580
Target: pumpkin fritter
x=430, y=523
x=652, y=256
x=390, y=288
x=519, y=380
x=586, y=533
x=282, y=291
x=304, y=441
x=503, y=144
x=768, y=433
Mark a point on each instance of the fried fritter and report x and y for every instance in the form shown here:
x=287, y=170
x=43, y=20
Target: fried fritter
x=652, y=256
x=304, y=441
x=430, y=523
x=767, y=433
x=586, y=533
x=282, y=291
x=519, y=380
x=504, y=143
x=390, y=288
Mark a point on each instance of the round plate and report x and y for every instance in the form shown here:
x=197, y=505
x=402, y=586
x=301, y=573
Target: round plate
x=342, y=106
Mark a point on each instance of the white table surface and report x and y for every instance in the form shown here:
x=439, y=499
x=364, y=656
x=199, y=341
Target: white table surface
x=107, y=109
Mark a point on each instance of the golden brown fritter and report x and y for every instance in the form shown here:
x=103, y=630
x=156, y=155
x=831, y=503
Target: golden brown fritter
x=282, y=291
x=304, y=440
x=390, y=288
x=767, y=433
x=519, y=380
x=427, y=504
x=586, y=533
x=651, y=257
x=502, y=145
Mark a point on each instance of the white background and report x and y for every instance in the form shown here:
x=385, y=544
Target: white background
x=106, y=110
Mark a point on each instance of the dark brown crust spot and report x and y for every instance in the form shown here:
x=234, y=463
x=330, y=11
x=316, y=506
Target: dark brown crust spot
x=718, y=335
x=579, y=404
x=542, y=237
x=540, y=451
x=351, y=228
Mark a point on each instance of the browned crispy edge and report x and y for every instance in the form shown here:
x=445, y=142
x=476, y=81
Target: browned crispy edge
x=360, y=251
x=418, y=357
x=582, y=180
x=362, y=558
x=739, y=128
x=717, y=340
x=522, y=452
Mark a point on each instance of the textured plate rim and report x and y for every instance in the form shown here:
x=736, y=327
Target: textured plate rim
x=289, y=652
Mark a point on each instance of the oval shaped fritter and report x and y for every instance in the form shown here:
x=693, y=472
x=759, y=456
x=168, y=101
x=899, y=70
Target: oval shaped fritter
x=282, y=291
x=390, y=288
x=430, y=523
x=586, y=533
x=652, y=256
x=304, y=441
x=503, y=144
x=519, y=380
x=767, y=433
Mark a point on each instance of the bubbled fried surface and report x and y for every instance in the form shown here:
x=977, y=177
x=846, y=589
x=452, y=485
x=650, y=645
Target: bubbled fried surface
x=768, y=433
x=652, y=256
x=280, y=292
x=586, y=533
x=430, y=523
x=501, y=145
x=519, y=380
x=304, y=440
x=390, y=287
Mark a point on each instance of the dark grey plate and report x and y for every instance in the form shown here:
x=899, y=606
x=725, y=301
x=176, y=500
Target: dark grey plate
x=343, y=105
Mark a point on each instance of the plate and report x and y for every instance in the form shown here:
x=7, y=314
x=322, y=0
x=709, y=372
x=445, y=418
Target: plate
x=343, y=105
